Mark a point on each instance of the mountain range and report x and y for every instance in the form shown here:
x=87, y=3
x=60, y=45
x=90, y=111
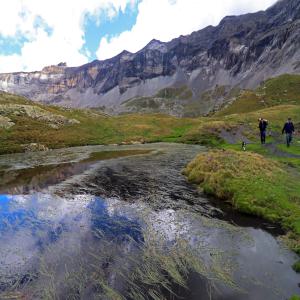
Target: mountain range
x=190, y=75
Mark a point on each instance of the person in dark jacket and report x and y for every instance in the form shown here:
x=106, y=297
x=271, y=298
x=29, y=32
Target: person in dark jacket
x=263, y=124
x=288, y=129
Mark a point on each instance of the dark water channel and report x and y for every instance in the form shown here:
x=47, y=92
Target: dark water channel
x=112, y=222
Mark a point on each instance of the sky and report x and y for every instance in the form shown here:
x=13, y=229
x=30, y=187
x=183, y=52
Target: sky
x=38, y=33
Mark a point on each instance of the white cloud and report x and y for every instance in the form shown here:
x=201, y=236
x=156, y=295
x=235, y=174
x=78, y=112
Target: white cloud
x=168, y=19
x=65, y=18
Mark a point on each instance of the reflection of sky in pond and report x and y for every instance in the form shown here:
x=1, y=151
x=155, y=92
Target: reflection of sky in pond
x=30, y=225
x=113, y=225
x=54, y=214
x=11, y=218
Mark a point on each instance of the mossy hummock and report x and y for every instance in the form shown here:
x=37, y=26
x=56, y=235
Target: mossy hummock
x=251, y=183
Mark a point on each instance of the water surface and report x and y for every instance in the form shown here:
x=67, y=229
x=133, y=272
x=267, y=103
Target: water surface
x=112, y=222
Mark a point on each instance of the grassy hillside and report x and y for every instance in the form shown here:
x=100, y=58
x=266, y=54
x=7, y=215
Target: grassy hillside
x=58, y=127
x=281, y=90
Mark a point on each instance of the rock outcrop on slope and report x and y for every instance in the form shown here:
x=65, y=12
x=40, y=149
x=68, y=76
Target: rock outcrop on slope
x=34, y=112
x=241, y=51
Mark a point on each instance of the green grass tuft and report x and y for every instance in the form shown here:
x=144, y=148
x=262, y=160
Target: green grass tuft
x=252, y=183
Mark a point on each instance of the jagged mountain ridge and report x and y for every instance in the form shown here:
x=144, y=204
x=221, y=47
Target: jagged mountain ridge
x=240, y=52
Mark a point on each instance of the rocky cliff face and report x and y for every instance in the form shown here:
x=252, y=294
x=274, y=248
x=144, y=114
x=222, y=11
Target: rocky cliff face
x=240, y=52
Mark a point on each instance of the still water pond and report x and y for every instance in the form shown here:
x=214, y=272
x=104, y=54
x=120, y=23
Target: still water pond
x=111, y=222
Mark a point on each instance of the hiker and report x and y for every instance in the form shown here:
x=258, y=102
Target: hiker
x=263, y=124
x=288, y=129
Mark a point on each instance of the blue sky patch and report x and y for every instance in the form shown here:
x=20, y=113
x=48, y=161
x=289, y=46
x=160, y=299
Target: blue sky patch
x=109, y=28
x=40, y=23
x=9, y=45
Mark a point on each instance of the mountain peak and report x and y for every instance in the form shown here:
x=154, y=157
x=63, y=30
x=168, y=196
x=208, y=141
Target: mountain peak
x=156, y=45
x=62, y=64
x=154, y=42
x=125, y=52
